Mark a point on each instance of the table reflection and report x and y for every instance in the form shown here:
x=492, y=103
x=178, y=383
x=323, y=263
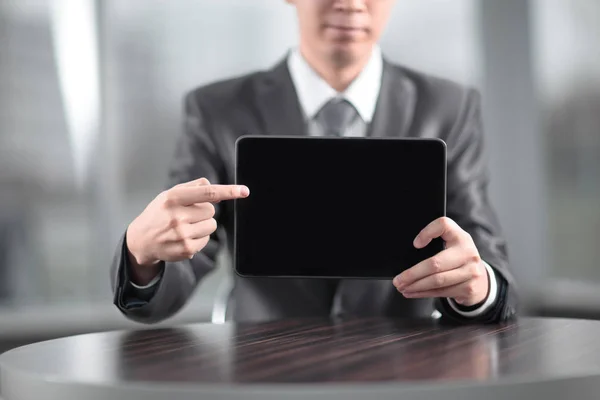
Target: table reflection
x=300, y=351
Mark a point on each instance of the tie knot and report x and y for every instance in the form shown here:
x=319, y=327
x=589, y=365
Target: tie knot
x=336, y=116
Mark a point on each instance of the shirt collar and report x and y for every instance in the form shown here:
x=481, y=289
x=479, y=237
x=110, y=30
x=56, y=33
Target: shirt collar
x=313, y=92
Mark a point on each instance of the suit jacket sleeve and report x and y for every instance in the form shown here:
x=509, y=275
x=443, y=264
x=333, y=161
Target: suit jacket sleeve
x=468, y=205
x=196, y=156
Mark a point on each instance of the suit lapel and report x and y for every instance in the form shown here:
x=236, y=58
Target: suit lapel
x=281, y=114
x=278, y=103
x=395, y=105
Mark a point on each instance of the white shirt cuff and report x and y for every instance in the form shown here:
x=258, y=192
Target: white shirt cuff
x=491, y=299
x=148, y=285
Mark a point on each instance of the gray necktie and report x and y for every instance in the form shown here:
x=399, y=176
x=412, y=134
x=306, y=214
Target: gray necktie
x=336, y=116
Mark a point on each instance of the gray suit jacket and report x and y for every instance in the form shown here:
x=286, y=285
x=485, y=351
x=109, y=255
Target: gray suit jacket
x=410, y=104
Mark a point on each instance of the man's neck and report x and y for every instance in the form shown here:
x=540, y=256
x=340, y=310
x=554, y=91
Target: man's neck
x=339, y=77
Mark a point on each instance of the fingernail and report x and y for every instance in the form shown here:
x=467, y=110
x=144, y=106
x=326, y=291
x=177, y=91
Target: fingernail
x=416, y=242
x=244, y=191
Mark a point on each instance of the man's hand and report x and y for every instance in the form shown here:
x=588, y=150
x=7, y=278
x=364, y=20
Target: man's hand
x=175, y=225
x=456, y=272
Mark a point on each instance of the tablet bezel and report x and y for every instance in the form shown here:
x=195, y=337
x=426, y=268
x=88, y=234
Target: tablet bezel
x=437, y=244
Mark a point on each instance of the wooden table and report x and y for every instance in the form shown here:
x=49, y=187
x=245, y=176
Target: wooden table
x=362, y=359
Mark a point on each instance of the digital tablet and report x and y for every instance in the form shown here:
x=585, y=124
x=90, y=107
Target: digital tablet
x=328, y=207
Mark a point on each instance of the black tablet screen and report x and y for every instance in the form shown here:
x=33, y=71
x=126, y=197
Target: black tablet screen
x=336, y=207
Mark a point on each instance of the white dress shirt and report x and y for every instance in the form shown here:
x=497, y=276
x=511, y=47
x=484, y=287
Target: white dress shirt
x=313, y=93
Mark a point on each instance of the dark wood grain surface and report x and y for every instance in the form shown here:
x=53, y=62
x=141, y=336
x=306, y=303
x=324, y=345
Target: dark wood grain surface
x=317, y=351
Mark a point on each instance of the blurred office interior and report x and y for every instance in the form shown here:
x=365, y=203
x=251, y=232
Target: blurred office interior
x=91, y=104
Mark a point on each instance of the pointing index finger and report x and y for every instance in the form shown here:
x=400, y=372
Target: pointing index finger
x=209, y=193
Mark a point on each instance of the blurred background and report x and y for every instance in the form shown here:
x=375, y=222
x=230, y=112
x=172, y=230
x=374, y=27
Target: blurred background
x=91, y=104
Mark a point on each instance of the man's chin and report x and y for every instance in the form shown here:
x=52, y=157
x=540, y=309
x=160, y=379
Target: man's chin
x=344, y=55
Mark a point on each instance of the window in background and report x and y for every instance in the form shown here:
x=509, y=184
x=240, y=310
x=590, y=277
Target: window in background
x=567, y=63
x=436, y=36
x=45, y=219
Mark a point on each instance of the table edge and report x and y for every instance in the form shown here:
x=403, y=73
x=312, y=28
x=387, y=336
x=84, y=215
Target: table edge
x=16, y=385
x=15, y=379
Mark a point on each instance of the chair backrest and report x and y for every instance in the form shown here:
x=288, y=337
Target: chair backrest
x=219, y=311
x=224, y=268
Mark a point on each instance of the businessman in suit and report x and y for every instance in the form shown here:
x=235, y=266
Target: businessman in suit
x=336, y=82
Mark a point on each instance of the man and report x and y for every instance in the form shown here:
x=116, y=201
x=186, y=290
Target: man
x=337, y=80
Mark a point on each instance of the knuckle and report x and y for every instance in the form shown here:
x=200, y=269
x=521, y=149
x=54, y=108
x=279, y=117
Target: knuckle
x=213, y=225
x=210, y=193
x=174, y=222
x=211, y=209
x=445, y=222
x=436, y=264
x=186, y=232
x=439, y=280
x=470, y=288
x=473, y=270
x=204, y=241
x=477, y=271
x=475, y=259
x=167, y=199
x=407, y=275
x=188, y=248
